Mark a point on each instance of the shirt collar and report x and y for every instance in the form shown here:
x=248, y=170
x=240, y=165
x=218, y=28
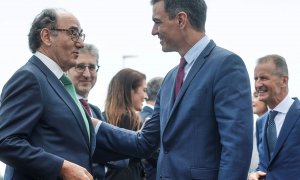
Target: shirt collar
x=51, y=64
x=196, y=50
x=80, y=97
x=284, y=105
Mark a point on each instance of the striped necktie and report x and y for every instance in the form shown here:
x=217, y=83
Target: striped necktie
x=271, y=132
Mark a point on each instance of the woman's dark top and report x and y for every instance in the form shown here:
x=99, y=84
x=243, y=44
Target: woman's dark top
x=122, y=170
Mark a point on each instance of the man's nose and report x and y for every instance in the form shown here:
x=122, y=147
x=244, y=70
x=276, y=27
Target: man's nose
x=86, y=72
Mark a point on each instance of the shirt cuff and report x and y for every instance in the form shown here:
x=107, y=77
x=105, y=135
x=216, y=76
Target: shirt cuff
x=97, y=126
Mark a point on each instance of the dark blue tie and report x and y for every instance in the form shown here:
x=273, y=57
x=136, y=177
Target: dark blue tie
x=271, y=132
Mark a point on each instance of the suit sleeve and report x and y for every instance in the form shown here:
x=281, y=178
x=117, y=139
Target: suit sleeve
x=20, y=112
x=234, y=116
x=259, y=141
x=127, y=143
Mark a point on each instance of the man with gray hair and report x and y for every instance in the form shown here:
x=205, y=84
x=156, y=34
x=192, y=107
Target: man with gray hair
x=84, y=77
x=280, y=127
x=153, y=87
x=45, y=133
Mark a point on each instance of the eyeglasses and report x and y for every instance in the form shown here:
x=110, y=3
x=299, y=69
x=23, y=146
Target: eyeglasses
x=81, y=68
x=73, y=33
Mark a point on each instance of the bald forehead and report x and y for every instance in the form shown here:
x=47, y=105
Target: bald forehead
x=66, y=19
x=61, y=12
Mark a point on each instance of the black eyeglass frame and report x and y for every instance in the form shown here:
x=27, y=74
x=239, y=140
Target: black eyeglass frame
x=80, y=68
x=73, y=33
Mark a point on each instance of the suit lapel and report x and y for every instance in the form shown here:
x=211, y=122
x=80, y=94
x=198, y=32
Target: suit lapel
x=166, y=97
x=192, y=73
x=96, y=112
x=92, y=141
x=291, y=118
x=65, y=96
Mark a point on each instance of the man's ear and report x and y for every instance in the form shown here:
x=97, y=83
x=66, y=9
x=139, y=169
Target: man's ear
x=45, y=35
x=285, y=80
x=182, y=19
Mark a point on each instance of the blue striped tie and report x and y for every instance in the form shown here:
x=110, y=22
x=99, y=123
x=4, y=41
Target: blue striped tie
x=271, y=132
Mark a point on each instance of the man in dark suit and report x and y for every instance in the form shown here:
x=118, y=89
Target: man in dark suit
x=153, y=87
x=84, y=77
x=44, y=133
x=205, y=132
x=280, y=146
x=259, y=109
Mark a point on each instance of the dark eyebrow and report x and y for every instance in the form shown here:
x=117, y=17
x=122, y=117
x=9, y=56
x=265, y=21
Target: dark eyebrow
x=74, y=28
x=155, y=19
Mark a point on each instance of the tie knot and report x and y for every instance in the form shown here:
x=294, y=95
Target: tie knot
x=83, y=101
x=65, y=80
x=272, y=114
x=182, y=62
x=86, y=106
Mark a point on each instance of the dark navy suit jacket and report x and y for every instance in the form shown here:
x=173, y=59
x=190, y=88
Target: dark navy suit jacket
x=98, y=168
x=207, y=132
x=97, y=112
x=146, y=113
x=259, y=134
x=149, y=164
x=41, y=126
x=285, y=162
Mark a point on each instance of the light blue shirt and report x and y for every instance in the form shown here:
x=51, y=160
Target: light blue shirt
x=282, y=108
x=193, y=53
x=190, y=58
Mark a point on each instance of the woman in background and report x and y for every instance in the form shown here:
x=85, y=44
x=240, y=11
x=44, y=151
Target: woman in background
x=125, y=97
x=259, y=109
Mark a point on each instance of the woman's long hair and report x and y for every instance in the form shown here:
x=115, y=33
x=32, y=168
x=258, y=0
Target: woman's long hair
x=118, y=103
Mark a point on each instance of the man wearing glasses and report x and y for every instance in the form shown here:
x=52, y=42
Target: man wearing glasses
x=84, y=73
x=84, y=77
x=44, y=131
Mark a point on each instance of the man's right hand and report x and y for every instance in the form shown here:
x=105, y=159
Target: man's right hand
x=73, y=171
x=258, y=175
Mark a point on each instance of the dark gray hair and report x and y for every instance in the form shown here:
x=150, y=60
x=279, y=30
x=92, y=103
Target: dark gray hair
x=46, y=19
x=195, y=10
